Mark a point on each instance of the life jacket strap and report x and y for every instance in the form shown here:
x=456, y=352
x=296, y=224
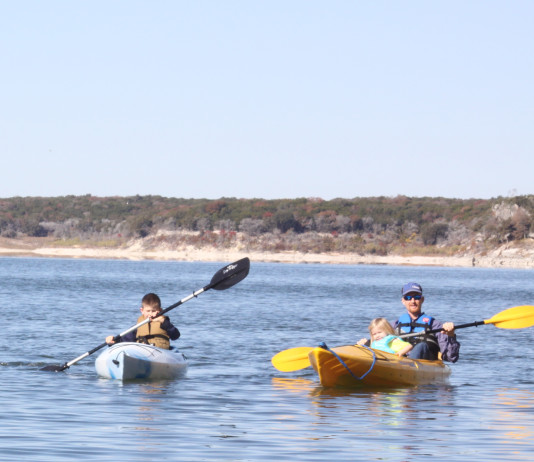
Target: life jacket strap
x=146, y=338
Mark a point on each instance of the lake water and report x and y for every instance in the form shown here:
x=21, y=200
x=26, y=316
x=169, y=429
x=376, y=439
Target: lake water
x=233, y=405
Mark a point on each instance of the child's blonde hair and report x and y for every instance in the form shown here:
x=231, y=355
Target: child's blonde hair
x=381, y=323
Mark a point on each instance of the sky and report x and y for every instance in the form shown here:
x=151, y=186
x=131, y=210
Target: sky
x=267, y=99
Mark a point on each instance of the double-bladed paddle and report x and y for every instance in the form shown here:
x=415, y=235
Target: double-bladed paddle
x=517, y=317
x=223, y=279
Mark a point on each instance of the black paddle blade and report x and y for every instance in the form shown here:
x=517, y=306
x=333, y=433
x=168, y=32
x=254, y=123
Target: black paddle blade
x=230, y=275
x=54, y=368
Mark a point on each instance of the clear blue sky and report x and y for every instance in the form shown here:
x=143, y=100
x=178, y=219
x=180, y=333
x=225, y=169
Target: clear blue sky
x=267, y=99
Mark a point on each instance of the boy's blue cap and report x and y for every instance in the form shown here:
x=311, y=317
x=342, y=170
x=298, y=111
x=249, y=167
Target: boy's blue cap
x=412, y=287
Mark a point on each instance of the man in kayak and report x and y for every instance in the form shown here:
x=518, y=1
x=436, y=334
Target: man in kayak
x=414, y=320
x=158, y=332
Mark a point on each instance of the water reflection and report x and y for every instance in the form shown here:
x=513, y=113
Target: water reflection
x=378, y=421
x=143, y=401
x=388, y=407
x=294, y=385
x=503, y=420
x=514, y=415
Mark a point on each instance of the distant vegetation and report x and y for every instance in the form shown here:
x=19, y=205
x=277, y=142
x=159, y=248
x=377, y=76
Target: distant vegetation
x=374, y=225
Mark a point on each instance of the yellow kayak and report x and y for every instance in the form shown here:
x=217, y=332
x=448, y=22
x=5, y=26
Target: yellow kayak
x=355, y=365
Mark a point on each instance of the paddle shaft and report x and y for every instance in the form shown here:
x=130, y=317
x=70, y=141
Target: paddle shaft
x=224, y=278
x=435, y=331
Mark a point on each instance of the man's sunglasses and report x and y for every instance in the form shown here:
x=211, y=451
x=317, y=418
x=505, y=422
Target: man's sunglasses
x=409, y=297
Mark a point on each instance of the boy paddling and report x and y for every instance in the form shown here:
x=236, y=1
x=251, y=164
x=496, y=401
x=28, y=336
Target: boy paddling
x=158, y=332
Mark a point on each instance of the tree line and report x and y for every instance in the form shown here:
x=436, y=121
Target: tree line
x=372, y=224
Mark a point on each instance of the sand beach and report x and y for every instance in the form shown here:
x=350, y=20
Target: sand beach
x=506, y=256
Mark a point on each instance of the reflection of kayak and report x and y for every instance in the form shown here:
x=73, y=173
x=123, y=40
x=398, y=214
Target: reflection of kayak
x=126, y=361
x=355, y=365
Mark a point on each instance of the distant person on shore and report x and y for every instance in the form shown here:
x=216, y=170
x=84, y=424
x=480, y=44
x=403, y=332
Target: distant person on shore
x=383, y=338
x=158, y=332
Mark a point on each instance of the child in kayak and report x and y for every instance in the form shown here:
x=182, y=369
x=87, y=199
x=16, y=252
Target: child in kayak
x=383, y=338
x=158, y=332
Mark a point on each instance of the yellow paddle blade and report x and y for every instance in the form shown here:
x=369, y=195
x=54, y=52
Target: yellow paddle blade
x=517, y=317
x=291, y=360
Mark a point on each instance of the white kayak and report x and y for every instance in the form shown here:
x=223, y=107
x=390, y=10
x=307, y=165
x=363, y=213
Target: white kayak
x=128, y=361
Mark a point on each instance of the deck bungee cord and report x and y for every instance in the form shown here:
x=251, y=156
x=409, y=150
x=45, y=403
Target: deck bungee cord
x=325, y=347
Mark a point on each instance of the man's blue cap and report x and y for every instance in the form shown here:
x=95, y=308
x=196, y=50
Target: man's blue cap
x=411, y=287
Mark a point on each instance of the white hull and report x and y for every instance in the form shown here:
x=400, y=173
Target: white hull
x=128, y=361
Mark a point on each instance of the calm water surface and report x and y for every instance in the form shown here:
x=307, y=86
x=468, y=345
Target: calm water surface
x=233, y=405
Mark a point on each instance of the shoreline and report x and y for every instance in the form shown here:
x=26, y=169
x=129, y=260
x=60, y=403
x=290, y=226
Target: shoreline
x=500, y=259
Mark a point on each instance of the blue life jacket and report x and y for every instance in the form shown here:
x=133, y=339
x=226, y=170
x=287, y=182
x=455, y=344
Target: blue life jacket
x=420, y=324
x=407, y=325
